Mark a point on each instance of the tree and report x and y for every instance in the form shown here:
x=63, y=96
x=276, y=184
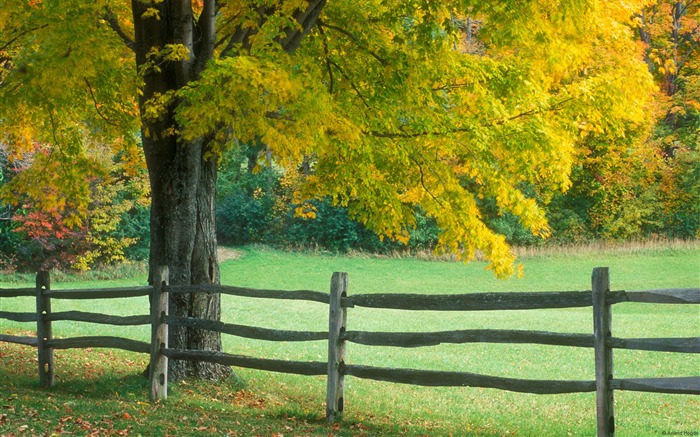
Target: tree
x=382, y=101
x=671, y=33
x=54, y=236
x=643, y=180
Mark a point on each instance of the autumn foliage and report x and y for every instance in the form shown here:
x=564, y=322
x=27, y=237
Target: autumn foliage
x=50, y=232
x=572, y=119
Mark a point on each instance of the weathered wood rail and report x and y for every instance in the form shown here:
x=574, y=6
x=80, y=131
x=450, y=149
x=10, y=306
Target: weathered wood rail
x=338, y=336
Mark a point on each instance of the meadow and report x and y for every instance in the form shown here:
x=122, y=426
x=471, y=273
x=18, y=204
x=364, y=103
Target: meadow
x=102, y=391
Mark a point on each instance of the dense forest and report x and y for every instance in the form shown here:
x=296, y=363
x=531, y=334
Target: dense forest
x=627, y=182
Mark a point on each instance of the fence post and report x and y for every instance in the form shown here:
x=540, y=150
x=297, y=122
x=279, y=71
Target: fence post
x=43, y=329
x=602, y=321
x=158, y=368
x=337, y=320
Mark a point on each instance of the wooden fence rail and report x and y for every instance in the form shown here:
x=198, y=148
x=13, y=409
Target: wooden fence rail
x=338, y=336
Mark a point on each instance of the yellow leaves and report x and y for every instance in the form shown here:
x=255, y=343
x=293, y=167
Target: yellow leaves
x=289, y=7
x=258, y=99
x=157, y=56
x=22, y=137
x=306, y=211
x=667, y=66
x=463, y=232
x=174, y=52
x=156, y=107
x=73, y=221
x=388, y=110
x=151, y=13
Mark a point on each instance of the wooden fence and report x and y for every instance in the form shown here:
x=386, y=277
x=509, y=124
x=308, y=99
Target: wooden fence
x=336, y=368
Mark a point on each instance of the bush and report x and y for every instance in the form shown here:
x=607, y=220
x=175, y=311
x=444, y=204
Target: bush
x=510, y=227
x=10, y=242
x=426, y=233
x=681, y=195
x=331, y=229
x=244, y=219
x=136, y=224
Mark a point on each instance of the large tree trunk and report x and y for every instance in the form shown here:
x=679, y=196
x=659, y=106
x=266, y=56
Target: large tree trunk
x=183, y=181
x=183, y=185
x=183, y=237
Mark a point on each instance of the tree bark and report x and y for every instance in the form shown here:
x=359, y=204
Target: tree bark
x=182, y=180
x=182, y=177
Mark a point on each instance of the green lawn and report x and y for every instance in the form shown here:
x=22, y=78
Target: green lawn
x=265, y=403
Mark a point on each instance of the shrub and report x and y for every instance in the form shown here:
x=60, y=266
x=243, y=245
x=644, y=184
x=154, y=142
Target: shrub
x=244, y=219
x=331, y=229
x=136, y=224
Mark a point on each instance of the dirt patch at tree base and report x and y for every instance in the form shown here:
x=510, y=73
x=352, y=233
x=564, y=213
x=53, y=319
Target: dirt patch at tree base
x=227, y=253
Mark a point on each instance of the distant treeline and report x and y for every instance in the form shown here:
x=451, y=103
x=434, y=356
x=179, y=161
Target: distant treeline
x=255, y=206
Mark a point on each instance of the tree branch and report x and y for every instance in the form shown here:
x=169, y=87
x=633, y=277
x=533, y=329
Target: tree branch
x=111, y=18
x=352, y=84
x=243, y=33
x=409, y=135
x=97, y=107
x=307, y=19
x=227, y=36
x=454, y=86
x=292, y=35
x=54, y=125
x=683, y=60
x=355, y=39
x=207, y=29
x=422, y=181
x=240, y=35
x=21, y=34
x=326, y=52
x=275, y=115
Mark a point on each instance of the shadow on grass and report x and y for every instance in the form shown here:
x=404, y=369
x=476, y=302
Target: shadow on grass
x=104, y=392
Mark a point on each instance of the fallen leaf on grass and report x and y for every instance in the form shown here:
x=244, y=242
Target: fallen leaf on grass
x=83, y=424
x=3, y=419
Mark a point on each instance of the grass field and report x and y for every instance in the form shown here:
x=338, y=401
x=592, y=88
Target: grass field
x=100, y=390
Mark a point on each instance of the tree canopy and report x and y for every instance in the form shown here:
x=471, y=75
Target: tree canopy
x=391, y=105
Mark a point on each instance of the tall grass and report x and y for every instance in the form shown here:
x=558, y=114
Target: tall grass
x=376, y=408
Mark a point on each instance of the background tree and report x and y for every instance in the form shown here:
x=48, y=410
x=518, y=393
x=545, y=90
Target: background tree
x=381, y=102
x=642, y=181
x=42, y=230
x=671, y=33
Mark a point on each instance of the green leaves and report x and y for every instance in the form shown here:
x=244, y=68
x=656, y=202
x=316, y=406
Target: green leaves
x=244, y=98
x=390, y=104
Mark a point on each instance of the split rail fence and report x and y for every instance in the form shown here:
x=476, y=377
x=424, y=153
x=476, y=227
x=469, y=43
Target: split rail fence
x=336, y=368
